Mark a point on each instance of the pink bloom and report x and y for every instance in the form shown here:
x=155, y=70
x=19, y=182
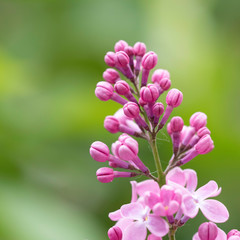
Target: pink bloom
x=193, y=199
x=143, y=220
x=209, y=231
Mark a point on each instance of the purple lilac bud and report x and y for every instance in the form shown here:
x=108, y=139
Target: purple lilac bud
x=203, y=131
x=177, y=124
x=110, y=59
x=99, y=151
x=157, y=110
x=130, y=52
x=120, y=46
x=149, y=61
x=131, y=110
x=176, y=128
x=198, y=120
x=115, y=233
x=160, y=74
x=174, y=99
x=111, y=124
x=122, y=88
x=204, y=145
x=111, y=75
x=149, y=94
x=122, y=61
x=105, y=175
x=139, y=49
x=208, y=231
x=105, y=91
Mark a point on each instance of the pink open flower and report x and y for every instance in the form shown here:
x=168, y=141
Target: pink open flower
x=193, y=199
x=142, y=220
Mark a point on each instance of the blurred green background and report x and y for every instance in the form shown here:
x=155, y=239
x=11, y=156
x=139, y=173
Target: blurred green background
x=51, y=57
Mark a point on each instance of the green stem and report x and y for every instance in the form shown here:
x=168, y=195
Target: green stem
x=161, y=176
x=171, y=235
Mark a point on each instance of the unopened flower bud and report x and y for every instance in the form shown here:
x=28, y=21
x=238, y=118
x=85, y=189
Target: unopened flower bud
x=111, y=124
x=126, y=148
x=174, y=98
x=165, y=84
x=149, y=93
x=198, y=120
x=122, y=88
x=115, y=233
x=105, y=175
x=203, y=131
x=139, y=49
x=176, y=128
x=111, y=75
x=141, y=102
x=110, y=59
x=131, y=110
x=208, y=231
x=157, y=110
x=105, y=91
x=120, y=46
x=160, y=74
x=176, y=124
x=121, y=59
x=204, y=145
x=129, y=51
x=169, y=129
x=99, y=151
x=149, y=60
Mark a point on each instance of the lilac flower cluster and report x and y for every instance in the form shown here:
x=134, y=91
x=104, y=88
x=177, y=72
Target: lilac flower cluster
x=163, y=203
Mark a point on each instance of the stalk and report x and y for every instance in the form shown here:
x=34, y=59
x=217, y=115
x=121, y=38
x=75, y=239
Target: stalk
x=161, y=176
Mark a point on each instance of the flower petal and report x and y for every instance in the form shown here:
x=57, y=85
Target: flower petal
x=134, y=191
x=214, y=211
x=147, y=186
x=176, y=175
x=173, y=207
x=123, y=223
x=135, y=231
x=115, y=216
x=217, y=192
x=157, y=225
x=153, y=237
x=207, y=190
x=189, y=206
x=134, y=211
x=196, y=237
x=191, y=178
x=222, y=235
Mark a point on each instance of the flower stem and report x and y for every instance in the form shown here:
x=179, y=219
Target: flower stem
x=161, y=176
x=171, y=234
